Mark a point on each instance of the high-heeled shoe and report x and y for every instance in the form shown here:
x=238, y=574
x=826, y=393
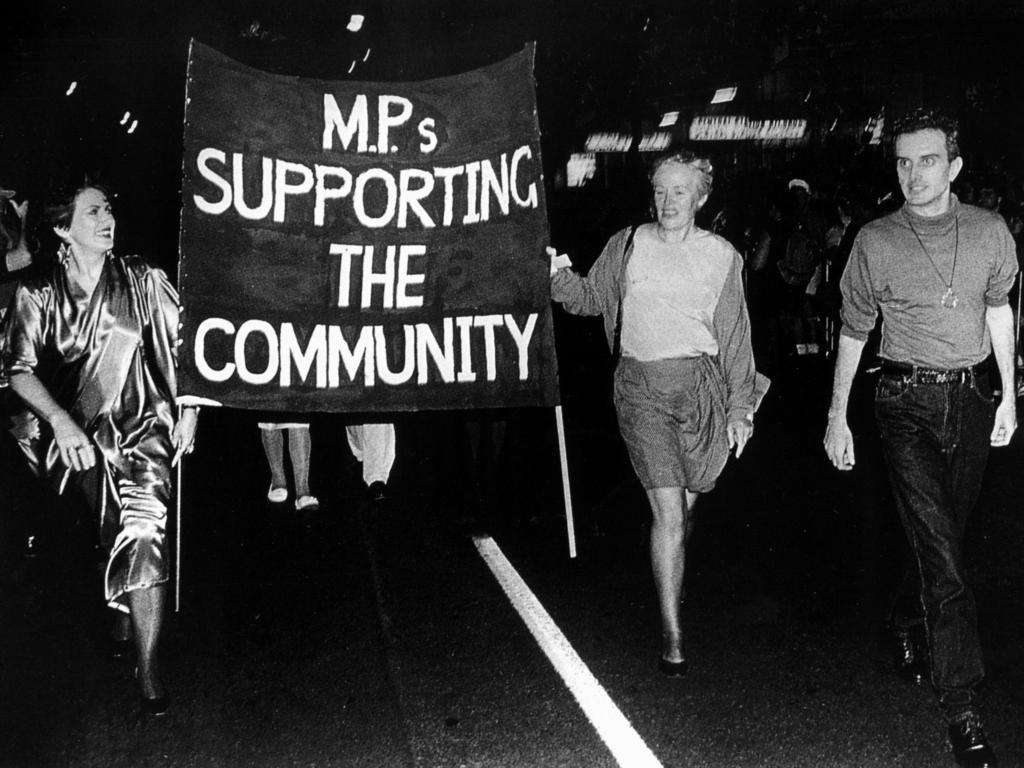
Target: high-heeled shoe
x=672, y=668
x=120, y=647
x=155, y=706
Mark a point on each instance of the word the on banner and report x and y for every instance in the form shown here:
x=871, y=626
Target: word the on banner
x=364, y=246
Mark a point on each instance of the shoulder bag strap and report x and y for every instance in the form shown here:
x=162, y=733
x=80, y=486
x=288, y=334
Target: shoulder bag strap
x=627, y=251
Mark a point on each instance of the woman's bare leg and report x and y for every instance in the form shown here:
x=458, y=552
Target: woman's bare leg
x=669, y=532
x=147, y=611
x=299, y=446
x=273, y=446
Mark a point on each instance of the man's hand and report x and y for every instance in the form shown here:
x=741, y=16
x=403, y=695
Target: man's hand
x=1005, y=423
x=739, y=431
x=839, y=443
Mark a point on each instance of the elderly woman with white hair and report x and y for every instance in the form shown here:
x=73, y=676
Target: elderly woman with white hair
x=671, y=295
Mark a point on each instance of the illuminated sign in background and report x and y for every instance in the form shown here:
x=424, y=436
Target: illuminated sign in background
x=738, y=128
x=580, y=169
x=623, y=142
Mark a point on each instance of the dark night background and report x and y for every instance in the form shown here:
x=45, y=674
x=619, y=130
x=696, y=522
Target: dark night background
x=600, y=67
x=372, y=635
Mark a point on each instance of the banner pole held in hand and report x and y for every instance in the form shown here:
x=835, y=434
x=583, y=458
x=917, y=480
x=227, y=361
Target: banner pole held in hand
x=177, y=533
x=570, y=528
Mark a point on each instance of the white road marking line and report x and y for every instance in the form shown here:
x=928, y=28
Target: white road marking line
x=611, y=725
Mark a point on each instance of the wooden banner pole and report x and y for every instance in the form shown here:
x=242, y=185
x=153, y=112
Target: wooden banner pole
x=570, y=527
x=177, y=532
x=1016, y=334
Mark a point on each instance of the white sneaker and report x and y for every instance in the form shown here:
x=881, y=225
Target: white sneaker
x=307, y=502
x=277, y=495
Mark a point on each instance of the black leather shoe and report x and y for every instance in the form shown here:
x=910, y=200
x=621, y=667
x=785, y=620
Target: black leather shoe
x=377, y=491
x=911, y=658
x=970, y=745
x=155, y=707
x=31, y=546
x=672, y=668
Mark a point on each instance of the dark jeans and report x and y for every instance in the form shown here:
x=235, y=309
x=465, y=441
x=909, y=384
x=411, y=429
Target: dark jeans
x=935, y=438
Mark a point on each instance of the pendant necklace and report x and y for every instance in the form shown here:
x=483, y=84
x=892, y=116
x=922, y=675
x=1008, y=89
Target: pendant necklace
x=949, y=299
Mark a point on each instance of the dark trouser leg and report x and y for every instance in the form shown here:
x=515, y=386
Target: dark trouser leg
x=935, y=439
x=907, y=613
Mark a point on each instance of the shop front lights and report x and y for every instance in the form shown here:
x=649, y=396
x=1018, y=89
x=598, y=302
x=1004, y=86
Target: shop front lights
x=724, y=95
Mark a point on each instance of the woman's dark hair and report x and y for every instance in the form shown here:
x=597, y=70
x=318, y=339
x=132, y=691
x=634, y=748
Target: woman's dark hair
x=61, y=205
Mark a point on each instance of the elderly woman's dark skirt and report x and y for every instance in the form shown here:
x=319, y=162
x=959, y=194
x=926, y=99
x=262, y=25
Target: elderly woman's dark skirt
x=673, y=419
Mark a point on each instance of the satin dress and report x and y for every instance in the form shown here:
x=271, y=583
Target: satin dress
x=109, y=360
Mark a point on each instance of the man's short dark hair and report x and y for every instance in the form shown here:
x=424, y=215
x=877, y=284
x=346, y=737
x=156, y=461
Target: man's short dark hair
x=923, y=119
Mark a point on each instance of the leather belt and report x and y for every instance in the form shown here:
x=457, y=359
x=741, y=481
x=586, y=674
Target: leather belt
x=921, y=375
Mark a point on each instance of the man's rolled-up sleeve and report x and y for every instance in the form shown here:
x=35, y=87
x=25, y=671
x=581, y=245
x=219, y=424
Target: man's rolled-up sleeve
x=860, y=309
x=1004, y=271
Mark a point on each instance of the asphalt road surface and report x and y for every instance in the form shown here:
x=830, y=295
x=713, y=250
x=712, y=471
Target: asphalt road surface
x=374, y=634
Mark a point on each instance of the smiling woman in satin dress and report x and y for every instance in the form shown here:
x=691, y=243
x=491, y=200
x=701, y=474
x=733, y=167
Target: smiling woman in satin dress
x=90, y=346
x=671, y=295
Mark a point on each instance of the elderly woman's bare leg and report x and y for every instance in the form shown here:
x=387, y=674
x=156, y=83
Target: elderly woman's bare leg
x=299, y=446
x=147, y=610
x=273, y=446
x=669, y=509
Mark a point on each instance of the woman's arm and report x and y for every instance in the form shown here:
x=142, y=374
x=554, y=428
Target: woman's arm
x=597, y=292
x=76, y=449
x=732, y=331
x=164, y=312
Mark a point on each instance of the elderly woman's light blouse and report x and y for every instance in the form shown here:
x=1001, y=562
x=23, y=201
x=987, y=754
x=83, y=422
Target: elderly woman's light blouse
x=679, y=300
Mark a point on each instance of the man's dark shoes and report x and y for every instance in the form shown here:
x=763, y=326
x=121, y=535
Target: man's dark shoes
x=911, y=657
x=970, y=745
x=32, y=546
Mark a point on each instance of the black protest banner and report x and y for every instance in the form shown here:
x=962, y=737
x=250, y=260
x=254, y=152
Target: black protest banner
x=363, y=246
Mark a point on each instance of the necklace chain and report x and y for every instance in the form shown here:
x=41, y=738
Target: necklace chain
x=949, y=299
